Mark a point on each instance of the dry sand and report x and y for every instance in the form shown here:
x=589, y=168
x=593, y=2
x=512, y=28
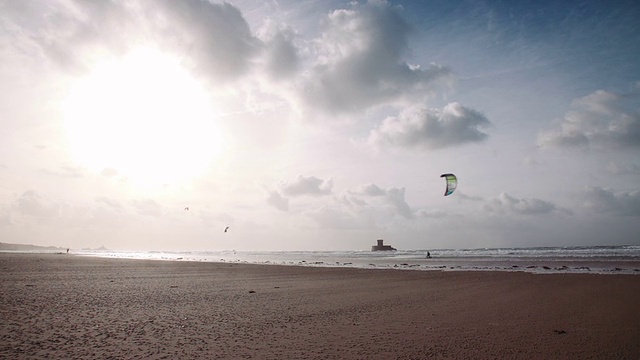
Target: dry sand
x=72, y=307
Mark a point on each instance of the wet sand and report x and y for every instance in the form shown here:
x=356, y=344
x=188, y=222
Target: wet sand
x=72, y=307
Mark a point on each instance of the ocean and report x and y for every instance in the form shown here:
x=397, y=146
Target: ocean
x=624, y=259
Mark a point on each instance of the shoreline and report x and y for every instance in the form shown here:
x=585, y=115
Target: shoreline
x=603, y=265
x=59, y=306
x=618, y=259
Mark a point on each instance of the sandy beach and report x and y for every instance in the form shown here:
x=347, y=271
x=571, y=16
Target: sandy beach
x=59, y=306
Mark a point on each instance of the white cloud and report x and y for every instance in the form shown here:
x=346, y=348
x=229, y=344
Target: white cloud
x=508, y=204
x=72, y=35
x=356, y=64
x=463, y=196
x=600, y=120
x=610, y=201
x=303, y=185
x=278, y=201
x=371, y=190
x=431, y=214
x=366, y=206
x=214, y=40
x=300, y=186
x=616, y=168
x=360, y=64
x=109, y=172
x=419, y=128
x=216, y=37
x=112, y=203
x=33, y=209
x=340, y=218
x=33, y=204
x=281, y=58
x=148, y=207
x=66, y=172
x=371, y=195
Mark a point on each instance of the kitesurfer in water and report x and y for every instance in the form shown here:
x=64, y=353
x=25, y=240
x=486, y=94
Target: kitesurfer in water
x=428, y=255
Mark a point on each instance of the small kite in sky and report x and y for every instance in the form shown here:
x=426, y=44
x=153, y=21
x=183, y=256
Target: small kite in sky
x=225, y=229
x=452, y=183
x=186, y=208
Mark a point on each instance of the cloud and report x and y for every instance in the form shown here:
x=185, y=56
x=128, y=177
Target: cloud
x=300, y=186
x=359, y=62
x=34, y=207
x=109, y=172
x=616, y=168
x=507, y=204
x=371, y=195
x=147, y=207
x=367, y=207
x=419, y=128
x=70, y=34
x=372, y=190
x=395, y=197
x=33, y=211
x=33, y=204
x=599, y=120
x=609, y=201
x=281, y=59
x=340, y=218
x=278, y=201
x=529, y=161
x=111, y=203
x=306, y=186
x=212, y=39
x=437, y=214
x=463, y=196
x=5, y=217
x=216, y=37
x=66, y=172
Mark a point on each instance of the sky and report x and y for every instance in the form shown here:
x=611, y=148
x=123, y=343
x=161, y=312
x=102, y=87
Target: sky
x=319, y=125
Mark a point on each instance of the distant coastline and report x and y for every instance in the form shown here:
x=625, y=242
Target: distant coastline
x=24, y=247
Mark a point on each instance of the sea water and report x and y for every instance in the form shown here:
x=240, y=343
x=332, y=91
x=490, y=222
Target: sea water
x=624, y=259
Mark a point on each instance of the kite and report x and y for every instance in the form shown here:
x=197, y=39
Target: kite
x=187, y=208
x=452, y=183
x=225, y=229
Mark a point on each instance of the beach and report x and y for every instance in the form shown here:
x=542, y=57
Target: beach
x=60, y=306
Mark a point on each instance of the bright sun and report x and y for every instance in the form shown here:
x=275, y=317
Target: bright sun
x=144, y=117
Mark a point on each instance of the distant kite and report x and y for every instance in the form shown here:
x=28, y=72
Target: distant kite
x=452, y=183
x=225, y=229
x=187, y=208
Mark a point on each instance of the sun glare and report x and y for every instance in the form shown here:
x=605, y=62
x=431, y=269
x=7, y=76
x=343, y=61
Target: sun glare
x=145, y=117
